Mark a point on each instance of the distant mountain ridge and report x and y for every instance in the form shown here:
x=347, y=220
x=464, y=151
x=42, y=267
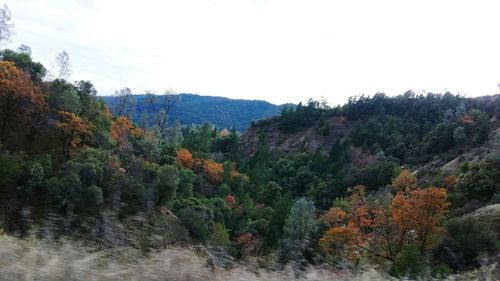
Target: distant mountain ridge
x=220, y=111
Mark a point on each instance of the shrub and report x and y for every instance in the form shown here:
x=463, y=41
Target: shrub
x=194, y=223
x=408, y=262
x=468, y=238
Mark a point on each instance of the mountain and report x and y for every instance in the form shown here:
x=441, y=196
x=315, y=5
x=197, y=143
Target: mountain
x=221, y=112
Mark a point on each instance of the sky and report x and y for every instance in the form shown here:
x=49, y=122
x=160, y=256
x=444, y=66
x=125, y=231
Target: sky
x=275, y=50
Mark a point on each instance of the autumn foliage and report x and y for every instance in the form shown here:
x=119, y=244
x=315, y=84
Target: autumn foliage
x=20, y=100
x=341, y=241
x=417, y=215
x=450, y=181
x=230, y=200
x=122, y=128
x=72, y=130
x=382, y=230
x=248, y=243
x=213, y=169
x=334, y=216
x=405, y=181
x=185, y=158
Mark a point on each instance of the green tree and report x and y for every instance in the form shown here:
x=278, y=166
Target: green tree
x=186, y=181
x=69, y=101
x=298, y=227
x=270, y=193
x=87, y=97
x=194, y=223
x=468, y=237
x=168, y=181
x=23, y=60
x=409, y=262
x=93, y=196
x=459, y=136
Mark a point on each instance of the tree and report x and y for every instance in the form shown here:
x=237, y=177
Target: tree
x=187, y=178
x=405, y=181
x=479, y=182
x=93, y=196
x=194, y=223
x=23, y=61
x=383, y=229
x=121, y=129
x=69, y=101
x=334, y=216
x=408, y=263
x=417, y=215
x=168, y=181
x=467, y=238
x=230, y=200
x=173, y=135
x=270, y=193
x=36, y=175
x=87, y=94
x=342, y=242
x=21, y=102
x=63, y=65
x=185, y=158
x=5, y=24
x=123, y=102
x=298, y=227
x=73, y=131
x=160, y=106
x=277, y=221
x=213, y=170
x=459, y=136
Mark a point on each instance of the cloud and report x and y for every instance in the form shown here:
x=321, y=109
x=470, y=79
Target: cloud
x=281, y=51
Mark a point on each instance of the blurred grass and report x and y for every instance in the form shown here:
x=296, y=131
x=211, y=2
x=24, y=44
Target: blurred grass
x=35, y=259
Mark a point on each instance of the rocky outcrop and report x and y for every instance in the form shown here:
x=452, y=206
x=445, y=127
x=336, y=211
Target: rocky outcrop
x=489, y=214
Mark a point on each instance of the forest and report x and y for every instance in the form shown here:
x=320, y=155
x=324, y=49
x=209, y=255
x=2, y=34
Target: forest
x=190, y=109
x=72, y=167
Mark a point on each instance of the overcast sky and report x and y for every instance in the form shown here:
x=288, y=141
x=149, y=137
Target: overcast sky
x=279, y=51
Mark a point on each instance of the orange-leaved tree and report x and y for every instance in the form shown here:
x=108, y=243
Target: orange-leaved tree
x=213, y=170
x=416, y=216
x=185, y=158
x=383, y=229
x=73, y=131
x=335, y=216
x=122, y=128
x=20, y=101
x=341, y=241
x=450, y=181
x=405, y=181
x=364, y=227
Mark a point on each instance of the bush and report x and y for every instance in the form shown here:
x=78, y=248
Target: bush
x=408, y=262
x=194, y=223
x=94, y=196
x=468, y=238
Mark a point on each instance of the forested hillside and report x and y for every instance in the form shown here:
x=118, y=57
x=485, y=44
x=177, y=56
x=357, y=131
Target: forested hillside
x=189, y=109
x=408, y=185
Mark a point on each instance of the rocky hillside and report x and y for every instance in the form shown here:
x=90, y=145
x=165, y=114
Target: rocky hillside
x=340, y=127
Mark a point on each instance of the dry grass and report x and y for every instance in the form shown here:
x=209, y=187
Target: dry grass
x=33, y=259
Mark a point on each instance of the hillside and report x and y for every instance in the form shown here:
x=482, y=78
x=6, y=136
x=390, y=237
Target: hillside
x=221, y=112
x=404, y=186
x=363, y=123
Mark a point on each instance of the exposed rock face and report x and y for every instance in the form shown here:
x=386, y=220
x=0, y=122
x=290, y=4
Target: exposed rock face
x=489, y=214
x=309, y=138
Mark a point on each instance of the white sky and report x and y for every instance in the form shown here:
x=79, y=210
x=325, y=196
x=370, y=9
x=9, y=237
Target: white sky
x=279, y=51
